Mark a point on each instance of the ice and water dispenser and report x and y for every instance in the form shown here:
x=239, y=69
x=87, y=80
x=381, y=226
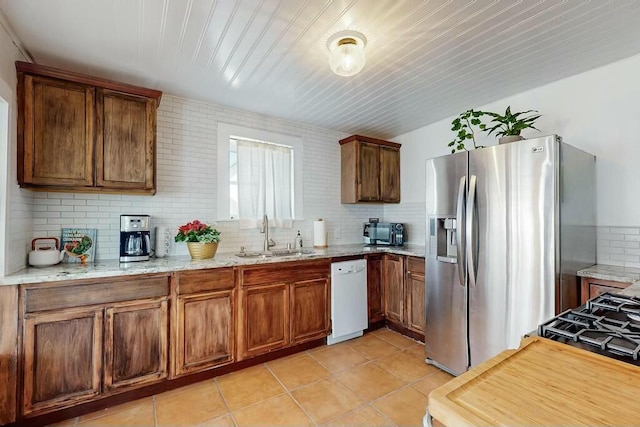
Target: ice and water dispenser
x=442, y=238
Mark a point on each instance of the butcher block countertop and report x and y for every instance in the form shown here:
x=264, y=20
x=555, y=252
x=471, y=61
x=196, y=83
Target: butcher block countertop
x=542, y=383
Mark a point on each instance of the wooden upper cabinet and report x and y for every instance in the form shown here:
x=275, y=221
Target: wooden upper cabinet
x=370, y=170
x=125, y=141
x=79, y=133
x=58, y=132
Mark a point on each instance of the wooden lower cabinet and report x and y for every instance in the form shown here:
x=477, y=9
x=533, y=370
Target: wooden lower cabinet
x=135, y=344
x=205, y=319
x=62, y=358
x=84, y=340
x=205, y=331
x=415, y=288
x=394, y=293
x=281, y=306
x=374, y=288
x=403, y=280
x=309, y=314
x=264, y=319
x=591, y=288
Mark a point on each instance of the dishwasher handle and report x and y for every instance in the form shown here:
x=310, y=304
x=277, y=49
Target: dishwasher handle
x=350, y=271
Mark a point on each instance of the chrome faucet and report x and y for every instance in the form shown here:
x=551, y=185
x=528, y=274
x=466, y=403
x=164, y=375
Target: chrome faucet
x=268, y=243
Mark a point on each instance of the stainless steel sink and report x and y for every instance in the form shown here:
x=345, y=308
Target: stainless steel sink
x=292, y=252
x=275, y=253
x=254, y=254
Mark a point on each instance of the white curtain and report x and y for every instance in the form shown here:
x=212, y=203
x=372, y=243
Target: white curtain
x=264, y=184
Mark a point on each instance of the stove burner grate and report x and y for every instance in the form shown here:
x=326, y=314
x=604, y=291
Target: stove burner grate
x=602, y=324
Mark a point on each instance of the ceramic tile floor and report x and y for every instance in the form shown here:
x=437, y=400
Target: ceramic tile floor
x=379, y=379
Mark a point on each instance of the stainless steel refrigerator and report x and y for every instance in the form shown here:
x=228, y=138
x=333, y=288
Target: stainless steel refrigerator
x=508, y=227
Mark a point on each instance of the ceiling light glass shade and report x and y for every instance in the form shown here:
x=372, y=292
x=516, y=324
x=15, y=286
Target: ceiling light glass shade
x=347, y=56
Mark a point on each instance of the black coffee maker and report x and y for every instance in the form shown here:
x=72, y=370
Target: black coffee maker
x=135, y=240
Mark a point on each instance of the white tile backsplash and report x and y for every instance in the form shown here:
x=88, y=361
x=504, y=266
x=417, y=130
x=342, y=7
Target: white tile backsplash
x=186, y=177
x=619, y=246
x=412, y=214
x=186, y=161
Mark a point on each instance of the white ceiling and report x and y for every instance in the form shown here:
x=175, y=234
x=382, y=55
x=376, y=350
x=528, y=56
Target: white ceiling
x=426, y=60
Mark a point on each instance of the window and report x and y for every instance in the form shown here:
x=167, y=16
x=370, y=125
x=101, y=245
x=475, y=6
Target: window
x=258, y=172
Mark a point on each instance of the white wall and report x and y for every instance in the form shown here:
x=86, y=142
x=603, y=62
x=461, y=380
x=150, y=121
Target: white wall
x=15, y=203
x=187, y=141
x=597, y=111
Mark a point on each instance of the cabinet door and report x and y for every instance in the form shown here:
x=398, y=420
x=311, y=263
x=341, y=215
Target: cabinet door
x=135, y=344
x=126, y=133
x=415, y=302
x=309, y=310
x=415, y=288
x=56, y=147
x=393, y=274
x=369, y=172
x=205, y=331
x=390, y=174
x=374, y=288
x=264, y=320
x=62, y=359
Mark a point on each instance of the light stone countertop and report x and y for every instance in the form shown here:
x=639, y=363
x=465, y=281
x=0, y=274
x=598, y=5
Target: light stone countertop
x=615, y=274
x=113, y=268
x=611, y=272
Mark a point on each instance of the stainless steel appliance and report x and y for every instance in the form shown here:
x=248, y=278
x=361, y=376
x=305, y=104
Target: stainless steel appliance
x=508, y=227
x=608, y=324
x=135, y=240
x=383, y=233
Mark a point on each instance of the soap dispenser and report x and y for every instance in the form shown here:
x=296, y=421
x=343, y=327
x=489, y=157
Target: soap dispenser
x=298, y=241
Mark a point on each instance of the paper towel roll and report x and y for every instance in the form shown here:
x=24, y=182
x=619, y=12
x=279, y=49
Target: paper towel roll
x=319, y=234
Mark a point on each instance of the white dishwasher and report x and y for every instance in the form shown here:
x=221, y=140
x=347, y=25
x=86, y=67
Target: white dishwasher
x=348, y=300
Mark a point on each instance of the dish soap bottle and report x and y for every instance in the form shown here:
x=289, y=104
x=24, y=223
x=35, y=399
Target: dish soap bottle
x=298, y=241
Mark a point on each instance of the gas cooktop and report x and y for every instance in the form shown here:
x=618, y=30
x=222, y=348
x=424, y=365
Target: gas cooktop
x=608, y=324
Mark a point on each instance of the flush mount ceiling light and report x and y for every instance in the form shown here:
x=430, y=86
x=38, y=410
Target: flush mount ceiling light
x=346, y=49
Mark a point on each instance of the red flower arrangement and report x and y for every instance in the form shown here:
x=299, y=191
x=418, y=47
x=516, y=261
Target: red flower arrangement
x=196, y=231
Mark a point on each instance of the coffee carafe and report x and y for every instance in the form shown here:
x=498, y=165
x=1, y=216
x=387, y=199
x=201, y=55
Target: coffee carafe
x=135, y=241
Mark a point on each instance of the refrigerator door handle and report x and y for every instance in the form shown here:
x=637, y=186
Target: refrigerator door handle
x=459, y=228
x=471, y=244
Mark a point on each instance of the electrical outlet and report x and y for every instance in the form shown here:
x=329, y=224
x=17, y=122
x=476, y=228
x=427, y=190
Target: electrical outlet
x=337, y=233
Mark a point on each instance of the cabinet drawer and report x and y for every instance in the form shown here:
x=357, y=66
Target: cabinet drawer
x=591, y=288
x=415, y=265
x=285, y=272
x=75, y=295
x=206, y=280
